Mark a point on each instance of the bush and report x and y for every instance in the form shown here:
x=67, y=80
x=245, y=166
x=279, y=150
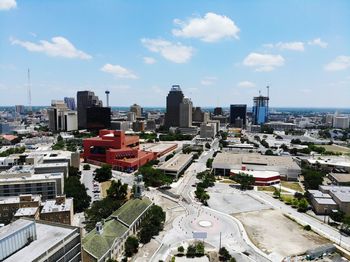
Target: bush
x=191, y=251
x=224, y=254
x=86, y=167
x=181, y=249
x=307, y=227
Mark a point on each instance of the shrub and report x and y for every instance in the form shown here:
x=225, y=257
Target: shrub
x=307, y=227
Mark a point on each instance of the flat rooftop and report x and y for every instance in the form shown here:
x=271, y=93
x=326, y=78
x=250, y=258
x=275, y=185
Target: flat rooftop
x=319, y=194
x=325, y=201
x=26, y=211
x=331, y=160
x=158, y=147
x=226, y=160
x=176, y=163
x=29, y=177
x=47, y=237
x=340, y=177
x=50, y=206
x=257, y=174
x=15, y=199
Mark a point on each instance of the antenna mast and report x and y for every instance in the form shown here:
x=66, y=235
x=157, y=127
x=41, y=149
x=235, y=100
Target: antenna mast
x=268, y=91
x=29, y=93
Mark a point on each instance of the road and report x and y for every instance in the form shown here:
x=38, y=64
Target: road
x=219, y=227
x=316, y=225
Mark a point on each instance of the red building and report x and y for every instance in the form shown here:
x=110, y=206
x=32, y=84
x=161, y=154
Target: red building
x=262, y=178
x=117, y=149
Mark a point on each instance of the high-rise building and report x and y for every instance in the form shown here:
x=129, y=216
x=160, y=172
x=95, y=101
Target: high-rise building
x=19, y=109
x=173, y=101
x=61, y=118
x=218, y=111
x=86, y=99
x=341, y=122
x=238, y=115
x=136, y=109
x=260, y=110
x=186, y=112
x=70, y=102
x=98, y=118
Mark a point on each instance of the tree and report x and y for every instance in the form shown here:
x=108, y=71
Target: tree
x=209, y=162
x=117, y=190
x=181, y=249
x=73, y=171
x=131, y=246
x=152, y=223
x=100, y=210
x=269, y=152
x=74, y=188
x=284, y=147
x=224, y=254
x=302, y=205
x=191, y=251
x=199, y=249
x=312, y=178
x=264, y=143
x=86, y=167
x=104, y=173
x=207, y=145
x=277, y=193
x=246, y=181
x=337, y=215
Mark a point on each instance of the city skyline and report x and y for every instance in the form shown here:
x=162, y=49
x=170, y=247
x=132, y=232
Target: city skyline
x=219, y=53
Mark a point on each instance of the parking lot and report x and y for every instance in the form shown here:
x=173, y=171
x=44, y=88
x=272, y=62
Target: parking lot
x=229, y=200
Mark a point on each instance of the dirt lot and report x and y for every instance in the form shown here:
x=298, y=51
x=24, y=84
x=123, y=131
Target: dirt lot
x=274, y=233
x=337, y=149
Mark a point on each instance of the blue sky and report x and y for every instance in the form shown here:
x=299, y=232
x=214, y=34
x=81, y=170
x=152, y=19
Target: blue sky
x=220, y=52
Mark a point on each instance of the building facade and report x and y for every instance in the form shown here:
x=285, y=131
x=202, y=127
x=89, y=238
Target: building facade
x=260, y=110
x=173, y=101
x=86, y=99
x=238, y=115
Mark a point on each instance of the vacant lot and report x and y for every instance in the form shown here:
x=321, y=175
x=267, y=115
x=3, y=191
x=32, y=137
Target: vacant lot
x=274, y=233
x=335, y=148
x=231, y=201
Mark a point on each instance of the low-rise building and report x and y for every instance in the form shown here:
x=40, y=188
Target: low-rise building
x=59, y=210
x=322, y=203
x=329, y=163
x=29, y=240
x=207, y=130
x=176, y=165
x=281, y=126
x=340, y=179
x=262, y=178
x=340, y=195
x=284, y=165
x=27, y=204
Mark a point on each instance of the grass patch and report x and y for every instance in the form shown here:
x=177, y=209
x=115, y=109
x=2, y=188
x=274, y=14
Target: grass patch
x=292, y=185
x=266, y=188
x=336, y=149
x=104, y=187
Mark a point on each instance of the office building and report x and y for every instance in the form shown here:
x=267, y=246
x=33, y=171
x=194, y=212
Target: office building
x=173, y=101
x=186, y=113
x=131, y=116
x=61, y=118
x=21, y=180
x=120, y=125
x=20, y=110
x=98, y=118
x=151, y=125
x=29, y=240
x=70, y=103
x=218, y=111
x=117, y=149
x=135, y=108
x=207, y=130
x=199, y=116
x=86, y=99
x=260, y=110
x=238, y=115
x=281, y=126
x=138, y=126
x=341, y=122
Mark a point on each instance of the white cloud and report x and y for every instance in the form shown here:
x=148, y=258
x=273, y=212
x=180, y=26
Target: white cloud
x=294, y=46
x=7, y=4
x=210, y=28
x=59, y=47
x=209, y=80
x=246, y=84
x=175, y=52
x=318, y=42
x=118, y=71
x=149, y=60
x=263, y=62
x=339, y=63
